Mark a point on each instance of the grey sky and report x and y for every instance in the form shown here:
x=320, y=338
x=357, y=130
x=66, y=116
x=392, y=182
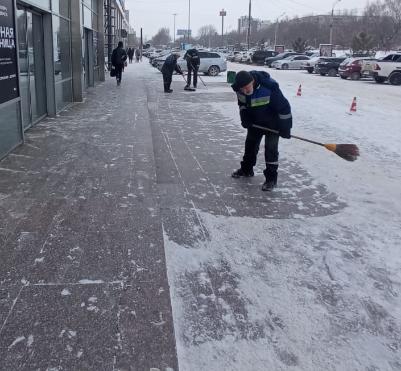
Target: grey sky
x=154, y=14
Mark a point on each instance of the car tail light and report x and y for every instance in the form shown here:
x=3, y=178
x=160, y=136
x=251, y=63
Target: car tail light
x=376, y=67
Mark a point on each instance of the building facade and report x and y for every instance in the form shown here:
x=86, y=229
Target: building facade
x=58, y=53
x=116, y=26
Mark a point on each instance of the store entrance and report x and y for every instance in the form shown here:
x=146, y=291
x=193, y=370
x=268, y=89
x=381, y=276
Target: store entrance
x=32, y=66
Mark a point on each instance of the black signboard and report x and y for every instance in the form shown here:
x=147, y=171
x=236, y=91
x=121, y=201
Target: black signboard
x=8, y=53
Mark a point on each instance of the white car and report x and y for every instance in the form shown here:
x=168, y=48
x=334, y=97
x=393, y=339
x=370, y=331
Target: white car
x=310, y=64
x=246, y=57
x=294, y=62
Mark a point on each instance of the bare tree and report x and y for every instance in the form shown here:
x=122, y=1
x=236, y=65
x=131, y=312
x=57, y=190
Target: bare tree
x=162, y=37
x=383, y=18
x=207, y=36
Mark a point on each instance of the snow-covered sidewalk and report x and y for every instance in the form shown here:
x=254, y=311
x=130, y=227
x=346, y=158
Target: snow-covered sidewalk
x=305, y=278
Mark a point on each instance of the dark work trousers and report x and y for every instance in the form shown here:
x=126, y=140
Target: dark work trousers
x=252, y=143
x=119, y=71
x=192, y=68
x=167, y=78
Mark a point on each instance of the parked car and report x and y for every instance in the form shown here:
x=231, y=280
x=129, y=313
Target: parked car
x=232, y=55
x=246, y=57
x=270, y=60
x=309, y=65
x=351, y=68
x=294, y=62
x=259, y=56
x=367, y=67
x=238, y=57
x=388, y=69
x=328, y=66
x=210, y=63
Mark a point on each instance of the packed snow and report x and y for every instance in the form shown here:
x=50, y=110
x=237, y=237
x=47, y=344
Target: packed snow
x=300, y=291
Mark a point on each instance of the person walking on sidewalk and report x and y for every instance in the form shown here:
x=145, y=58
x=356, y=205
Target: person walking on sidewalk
x=118, y=58
x=262, y=103
x=193, y=62
x=169, y=66
x=137, y=55
x=130, y=54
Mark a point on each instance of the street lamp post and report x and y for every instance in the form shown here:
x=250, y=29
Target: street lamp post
x=249, y=24
x=276, y=30
x=189, y=19
x=174, y=14
x=223, y=13
x=332, y=21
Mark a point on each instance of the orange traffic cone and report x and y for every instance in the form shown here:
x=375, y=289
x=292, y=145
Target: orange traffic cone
x=353, y=105
x=299, y=92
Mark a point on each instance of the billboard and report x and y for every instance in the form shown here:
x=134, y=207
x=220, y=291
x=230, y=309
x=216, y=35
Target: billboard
x=8, y=53
x=279, y=48
x=181, y=32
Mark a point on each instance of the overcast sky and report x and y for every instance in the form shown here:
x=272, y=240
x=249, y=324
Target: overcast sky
x=154, y=14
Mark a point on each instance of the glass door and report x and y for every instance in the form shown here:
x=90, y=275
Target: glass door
x=32, y=66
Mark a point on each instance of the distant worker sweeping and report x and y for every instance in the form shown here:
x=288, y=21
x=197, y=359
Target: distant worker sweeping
x=169, y=66
x=261, y=103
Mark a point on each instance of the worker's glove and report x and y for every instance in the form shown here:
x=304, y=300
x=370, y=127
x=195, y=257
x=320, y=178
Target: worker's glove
x=245, y=121
x=246, y=125
x=285, y=133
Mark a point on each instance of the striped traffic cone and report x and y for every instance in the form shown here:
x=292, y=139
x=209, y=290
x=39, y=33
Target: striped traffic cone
x=353, y=105
x=299, y=92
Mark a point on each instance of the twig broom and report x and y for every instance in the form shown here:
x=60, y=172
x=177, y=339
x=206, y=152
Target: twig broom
x=349, y=152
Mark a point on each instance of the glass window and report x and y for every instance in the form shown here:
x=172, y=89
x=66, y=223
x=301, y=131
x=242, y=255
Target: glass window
x=61, y=7
x=63, y=94
x=94, y=21
x=95, y=49
x=87, y=14
x=61, y=48
x=45, y=4
x=88, y=3
x=10, y=133
x=94, y=6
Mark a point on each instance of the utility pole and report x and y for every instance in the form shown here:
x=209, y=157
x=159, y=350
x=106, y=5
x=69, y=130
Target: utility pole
x=223, y=13
x=276, y=30
x=249, y=24
x=189, y=19
x=332, y=21
x=141, y=49
x=174, y=26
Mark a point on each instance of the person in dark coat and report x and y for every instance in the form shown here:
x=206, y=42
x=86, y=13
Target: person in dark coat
x=130, y=54
x=169, y=66
x=118, y=58
x=193, y=62
x=262, y=103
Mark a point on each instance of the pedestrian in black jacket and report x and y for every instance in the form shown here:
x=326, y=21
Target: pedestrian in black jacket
x=262, y=103
x=193, y=62
x=130, y=54
x=169, y=66
x=118, y=58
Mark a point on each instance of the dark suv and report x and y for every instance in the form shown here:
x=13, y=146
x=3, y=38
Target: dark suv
x=270, y=60
x=328, y=66
x=259, y=56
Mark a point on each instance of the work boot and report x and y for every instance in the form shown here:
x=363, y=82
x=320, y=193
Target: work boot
x=269, y=185
x=168, y=91
x=187, y=87
x=271, y=180
x=242, y=173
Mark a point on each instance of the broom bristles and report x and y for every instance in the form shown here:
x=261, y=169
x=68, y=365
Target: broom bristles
x=349, y=152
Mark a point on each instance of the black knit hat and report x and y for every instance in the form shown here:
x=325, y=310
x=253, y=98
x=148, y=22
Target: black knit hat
x=242, y=79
